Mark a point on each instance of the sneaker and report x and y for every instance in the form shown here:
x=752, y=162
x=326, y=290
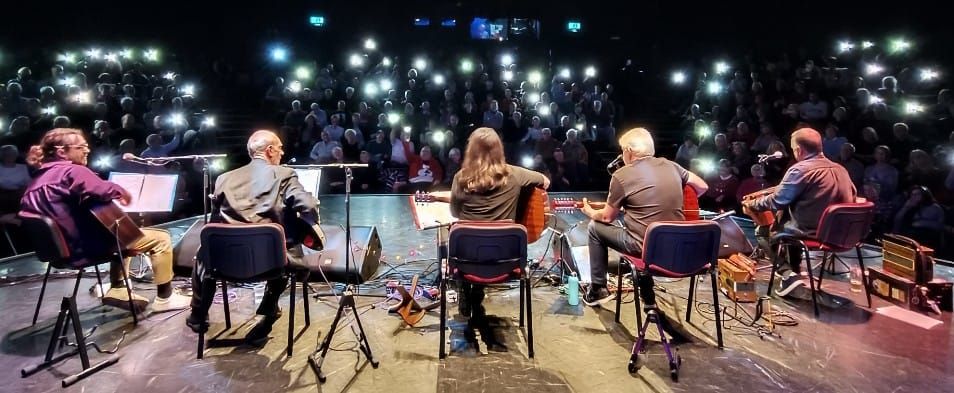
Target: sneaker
x=171, y=303
x=119, y=298
x=596, y=296
x=788, y=284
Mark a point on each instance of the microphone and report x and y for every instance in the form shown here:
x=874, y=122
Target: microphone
x=134, y=158
x=763, y=158
x=615, y=164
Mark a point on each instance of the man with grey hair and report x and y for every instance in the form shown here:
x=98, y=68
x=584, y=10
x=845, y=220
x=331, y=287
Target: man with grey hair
x=260, y=192
x=647, y=189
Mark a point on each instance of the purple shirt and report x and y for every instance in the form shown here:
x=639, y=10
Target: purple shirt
x=62, y=191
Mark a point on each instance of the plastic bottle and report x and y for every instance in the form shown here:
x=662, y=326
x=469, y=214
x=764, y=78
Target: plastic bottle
x=573, y=290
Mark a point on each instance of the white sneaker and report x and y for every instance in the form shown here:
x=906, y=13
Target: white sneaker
x=172, y=303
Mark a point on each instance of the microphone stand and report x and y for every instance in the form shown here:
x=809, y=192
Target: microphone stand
x=347, y=299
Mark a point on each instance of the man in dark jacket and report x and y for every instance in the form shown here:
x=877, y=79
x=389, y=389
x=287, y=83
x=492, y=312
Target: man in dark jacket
x=260, y=192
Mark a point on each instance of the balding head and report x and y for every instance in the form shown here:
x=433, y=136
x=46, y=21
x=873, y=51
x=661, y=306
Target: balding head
x=259, y=143
x=637, y=143
x=806, y=142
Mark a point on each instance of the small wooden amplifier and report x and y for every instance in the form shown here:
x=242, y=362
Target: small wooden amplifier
x=737, y=278
x=905, y=258
x=934, y=295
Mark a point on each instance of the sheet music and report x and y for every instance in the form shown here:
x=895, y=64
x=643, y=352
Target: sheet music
x=309, y=179
x=150, y=193
x=429, y=215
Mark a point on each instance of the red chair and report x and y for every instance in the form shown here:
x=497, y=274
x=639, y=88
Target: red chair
x=842, y=226
x=674, y=249
x=487, y=252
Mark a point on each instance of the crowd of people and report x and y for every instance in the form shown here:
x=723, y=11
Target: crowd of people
x=122, y=105
x=410, y=123
x=893, y=134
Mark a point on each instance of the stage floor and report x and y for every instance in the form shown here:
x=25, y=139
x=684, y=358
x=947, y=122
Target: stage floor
x=577, y=349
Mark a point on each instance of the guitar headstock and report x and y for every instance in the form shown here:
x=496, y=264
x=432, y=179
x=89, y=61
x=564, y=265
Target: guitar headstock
x=424, y=197
x=564, y=204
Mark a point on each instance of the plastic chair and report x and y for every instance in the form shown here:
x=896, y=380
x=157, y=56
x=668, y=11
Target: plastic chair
x=246, y=253
x=487, y=252
x=673, y=249
x=841, y=227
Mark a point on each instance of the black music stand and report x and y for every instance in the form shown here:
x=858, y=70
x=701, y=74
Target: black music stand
x=317, y=358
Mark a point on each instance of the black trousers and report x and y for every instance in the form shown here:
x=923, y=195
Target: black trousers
x=203, y=291
x=604, y=236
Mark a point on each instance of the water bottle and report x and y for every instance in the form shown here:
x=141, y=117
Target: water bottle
x=573, y=290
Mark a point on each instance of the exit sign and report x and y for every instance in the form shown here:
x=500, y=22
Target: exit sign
x=317, y=21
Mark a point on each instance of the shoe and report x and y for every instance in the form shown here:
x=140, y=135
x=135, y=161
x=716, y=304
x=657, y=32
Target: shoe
x=596, y=296
x=198, y=325
x=259, y=333
x=171, y=303
x=788, y=284
x=119, y=298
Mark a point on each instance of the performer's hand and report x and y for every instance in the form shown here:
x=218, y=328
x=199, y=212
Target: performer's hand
x=125, y=198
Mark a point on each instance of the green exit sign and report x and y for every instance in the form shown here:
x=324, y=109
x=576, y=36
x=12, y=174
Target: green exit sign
x=573, y=26
x=317, y=21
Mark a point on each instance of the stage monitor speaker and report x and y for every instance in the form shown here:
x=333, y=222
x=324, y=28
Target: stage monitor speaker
x=186, y=246
x=733, y=239
x=365, y=255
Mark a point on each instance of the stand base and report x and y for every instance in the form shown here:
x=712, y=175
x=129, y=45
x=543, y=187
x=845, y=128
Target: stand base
x=318, y=358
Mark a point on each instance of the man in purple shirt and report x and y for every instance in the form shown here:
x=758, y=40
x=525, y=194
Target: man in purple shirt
x=63, y=190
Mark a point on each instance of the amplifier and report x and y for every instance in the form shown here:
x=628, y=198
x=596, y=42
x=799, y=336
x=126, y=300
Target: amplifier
x=737, y=278
x=908, y=294
x=906, y=258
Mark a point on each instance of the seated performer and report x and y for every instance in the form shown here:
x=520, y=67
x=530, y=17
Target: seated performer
x=806, y=190
x=647, y=189
x=64, y=189
x=487, y=189
x=260, y=192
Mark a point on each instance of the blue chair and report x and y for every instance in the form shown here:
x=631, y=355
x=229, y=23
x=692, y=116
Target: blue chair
x=247, y=253
x=673, y=249
x=488, y=252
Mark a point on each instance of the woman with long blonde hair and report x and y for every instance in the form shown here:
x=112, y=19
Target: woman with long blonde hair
x=487, y=189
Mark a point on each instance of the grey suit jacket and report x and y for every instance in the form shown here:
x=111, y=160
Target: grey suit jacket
x=263, y=193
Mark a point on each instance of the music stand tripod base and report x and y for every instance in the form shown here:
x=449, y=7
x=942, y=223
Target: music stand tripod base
x=317, y=359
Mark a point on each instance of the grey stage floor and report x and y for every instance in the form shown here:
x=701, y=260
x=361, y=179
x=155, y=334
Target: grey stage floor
x=578, y=349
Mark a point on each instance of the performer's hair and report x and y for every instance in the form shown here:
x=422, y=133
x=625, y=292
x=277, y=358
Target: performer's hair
x=639, y=141
x=485, y=166
x=52, y=141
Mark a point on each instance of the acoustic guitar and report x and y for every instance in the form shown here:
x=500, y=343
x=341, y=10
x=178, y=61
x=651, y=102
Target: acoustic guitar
x=690, y=204
x=532, y=209
x=117, y=222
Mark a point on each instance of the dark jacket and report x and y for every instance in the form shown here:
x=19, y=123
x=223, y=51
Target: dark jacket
x=263, y=193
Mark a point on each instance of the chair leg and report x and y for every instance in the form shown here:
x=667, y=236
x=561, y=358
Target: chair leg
x=99, y=281
x=291, y=316
x=771, y=283
x=201, y=345
x=522, y=300
x=304, y=301
x=715, y=300
x=826, y=258
x=39, y=301
x=619, y=286
x=636, y=299
x=132, y=306
x=529, y=319
x=225, y=305
x=811, y=280
x=443, y=288
x=692, y=292
x=864, y=275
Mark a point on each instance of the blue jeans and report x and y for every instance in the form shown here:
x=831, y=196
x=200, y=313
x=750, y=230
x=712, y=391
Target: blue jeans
x=604, y=236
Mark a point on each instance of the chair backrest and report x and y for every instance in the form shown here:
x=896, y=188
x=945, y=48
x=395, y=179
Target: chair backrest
x=242, y=252
x=843, y=225
x=47, y=239
x=487, y=252
x=681, y=248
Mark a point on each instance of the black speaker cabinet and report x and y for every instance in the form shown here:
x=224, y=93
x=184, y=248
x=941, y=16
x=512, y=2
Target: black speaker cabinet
x=365, y=255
